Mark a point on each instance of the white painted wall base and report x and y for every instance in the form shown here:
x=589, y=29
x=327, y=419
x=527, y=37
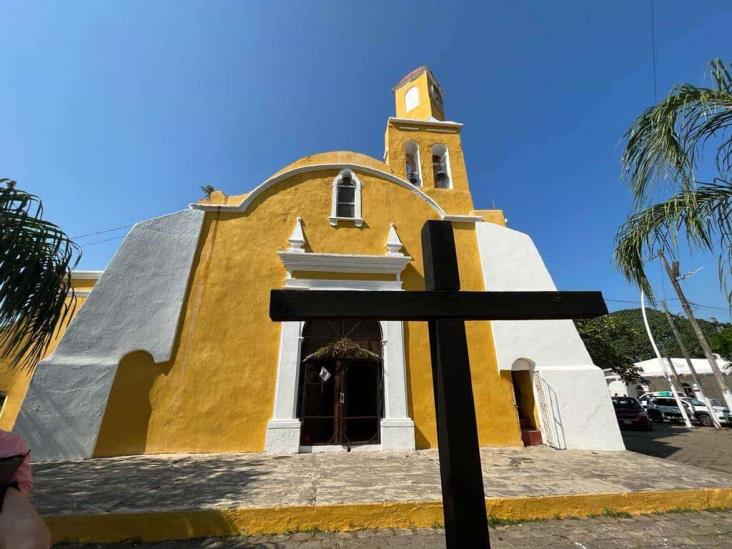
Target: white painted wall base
x=283, y=436
x=135, y=306
x=575, y=408
x=397, y=434
x=571, y=392
x=63, y=410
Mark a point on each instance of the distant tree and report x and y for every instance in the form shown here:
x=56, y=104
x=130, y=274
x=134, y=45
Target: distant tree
x=207, y=190
x=36, y=259
x=722, y=342
x=604, y=338
x=618, y=339
x=662, y=151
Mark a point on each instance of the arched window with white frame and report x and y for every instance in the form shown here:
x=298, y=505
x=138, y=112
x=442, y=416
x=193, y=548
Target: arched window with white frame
x=441, y=167
x=413, y=165
x=346, y=205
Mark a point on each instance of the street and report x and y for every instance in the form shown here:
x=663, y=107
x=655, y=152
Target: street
x=703, y=447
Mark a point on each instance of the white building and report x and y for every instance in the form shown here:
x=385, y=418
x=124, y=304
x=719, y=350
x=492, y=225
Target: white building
x=654, y=378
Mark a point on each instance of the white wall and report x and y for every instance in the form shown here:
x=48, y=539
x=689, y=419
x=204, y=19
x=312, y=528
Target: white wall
x=135, y=306
x=574, y=404
x=617, y=387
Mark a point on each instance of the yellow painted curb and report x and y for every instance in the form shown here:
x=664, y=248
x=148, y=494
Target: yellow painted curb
x=195, y=523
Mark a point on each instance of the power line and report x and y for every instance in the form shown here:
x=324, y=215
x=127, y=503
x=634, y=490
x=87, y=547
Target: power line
x=101, y=241
x=102, y=232
x=653, y=52
x=695, y=305
x=708, y=307
x=634, y=301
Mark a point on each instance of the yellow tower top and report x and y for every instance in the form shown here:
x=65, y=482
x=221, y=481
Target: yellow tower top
x=419, y=96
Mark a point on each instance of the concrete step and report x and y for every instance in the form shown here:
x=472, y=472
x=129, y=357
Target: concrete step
x=531, y=437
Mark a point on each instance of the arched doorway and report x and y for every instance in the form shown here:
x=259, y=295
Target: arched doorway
x=340, y=390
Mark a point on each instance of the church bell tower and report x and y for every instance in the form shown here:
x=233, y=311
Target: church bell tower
x=419, y=96
x=423, y=147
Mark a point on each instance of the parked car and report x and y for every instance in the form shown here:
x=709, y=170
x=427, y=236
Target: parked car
x=630, y=413
x=702, y=414
x=661, y=409
x=645, y=397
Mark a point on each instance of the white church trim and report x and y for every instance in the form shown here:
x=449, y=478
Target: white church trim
x=315, y=284
x=397, y=428
x=463, y=218
x=296, y=259
x=343, y=263
x=257, y=191
x=431, y=123
x=86, y=275
x=334, y=217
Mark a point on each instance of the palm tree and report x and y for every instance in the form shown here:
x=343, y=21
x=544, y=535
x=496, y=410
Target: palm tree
x=36, y=259
x=663, y=148
x=207, y=190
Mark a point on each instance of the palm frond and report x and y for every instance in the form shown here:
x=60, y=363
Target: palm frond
x=36, y=259
x=207, y=190
x=704, y=214
x=665, y=141
x=341, y=349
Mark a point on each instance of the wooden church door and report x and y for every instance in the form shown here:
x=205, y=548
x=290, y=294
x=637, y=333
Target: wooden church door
x=340, y=401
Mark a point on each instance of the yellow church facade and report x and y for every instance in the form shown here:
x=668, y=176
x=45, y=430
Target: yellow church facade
x=174, y=351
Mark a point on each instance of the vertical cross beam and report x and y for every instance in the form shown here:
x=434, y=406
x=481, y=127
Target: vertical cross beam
x=463, y=498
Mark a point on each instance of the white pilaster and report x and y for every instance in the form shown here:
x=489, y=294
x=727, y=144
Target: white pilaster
x=283, y=430
x=397, y=428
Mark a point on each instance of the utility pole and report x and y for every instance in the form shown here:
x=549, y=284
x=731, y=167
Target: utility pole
x=697, y=331
x=684, y=352
x=679, y=403
x=672, y=368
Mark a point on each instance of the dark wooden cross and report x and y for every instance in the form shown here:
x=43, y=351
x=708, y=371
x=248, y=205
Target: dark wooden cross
x=446, y=309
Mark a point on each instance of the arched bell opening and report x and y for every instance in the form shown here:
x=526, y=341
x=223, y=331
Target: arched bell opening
x=341, y=390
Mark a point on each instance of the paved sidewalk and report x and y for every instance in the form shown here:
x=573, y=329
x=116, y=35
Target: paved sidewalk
x=215, y=481
x=700, y=530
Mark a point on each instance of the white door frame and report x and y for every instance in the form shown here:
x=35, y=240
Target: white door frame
x=397, y=428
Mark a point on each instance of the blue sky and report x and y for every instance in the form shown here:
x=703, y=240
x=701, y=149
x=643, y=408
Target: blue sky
x=118, y=111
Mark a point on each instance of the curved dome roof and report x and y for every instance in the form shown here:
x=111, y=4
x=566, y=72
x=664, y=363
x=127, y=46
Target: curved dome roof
x=337, y=157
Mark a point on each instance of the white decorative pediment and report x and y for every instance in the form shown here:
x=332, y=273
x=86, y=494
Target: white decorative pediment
x=344, y=263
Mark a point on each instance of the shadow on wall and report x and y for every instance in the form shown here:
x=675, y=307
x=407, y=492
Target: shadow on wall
x=124, y=427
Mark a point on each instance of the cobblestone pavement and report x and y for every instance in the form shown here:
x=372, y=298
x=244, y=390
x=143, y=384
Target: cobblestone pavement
x=694, y=529
x=703, y=446
x=172, y=482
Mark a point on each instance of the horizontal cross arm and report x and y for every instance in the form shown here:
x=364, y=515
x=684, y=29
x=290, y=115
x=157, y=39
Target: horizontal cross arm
x=288, y=305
